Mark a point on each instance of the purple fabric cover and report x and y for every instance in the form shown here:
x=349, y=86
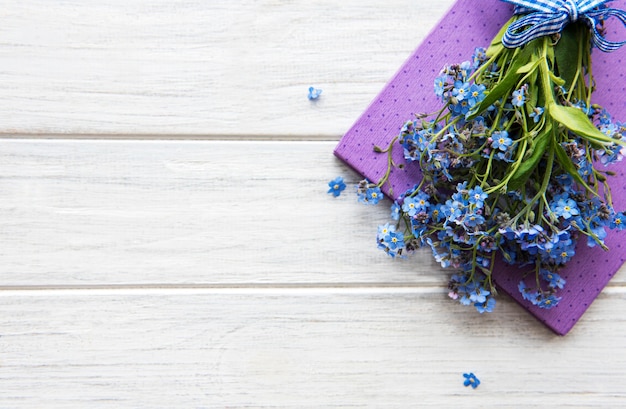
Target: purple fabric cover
x=469, y=24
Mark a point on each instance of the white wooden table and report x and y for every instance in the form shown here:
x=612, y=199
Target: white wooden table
x=167, y=240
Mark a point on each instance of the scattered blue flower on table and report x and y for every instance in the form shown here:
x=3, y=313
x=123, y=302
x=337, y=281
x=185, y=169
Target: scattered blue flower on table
x=336, y=186
x=314, y=93
x=471, y=380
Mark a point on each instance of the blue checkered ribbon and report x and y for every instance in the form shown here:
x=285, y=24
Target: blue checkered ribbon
x=547, y=17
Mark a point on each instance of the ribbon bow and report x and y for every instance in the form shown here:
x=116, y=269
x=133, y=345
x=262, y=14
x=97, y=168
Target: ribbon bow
x=547, y=17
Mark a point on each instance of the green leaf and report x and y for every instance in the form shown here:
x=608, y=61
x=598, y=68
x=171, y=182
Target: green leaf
x=566, y=53
x=507, y=83
x=567, y=165
x=576, y=121
x=531, y=66
x=557, y=80
x=530, y=162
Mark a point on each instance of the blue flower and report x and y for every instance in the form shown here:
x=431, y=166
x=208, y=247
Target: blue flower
x=452, y=209
x=394, y=240
x=618, y=221
x=519, y=97
x=598, y=233
x=605, y=117
x=465, y=292
x=460, y=108
x=409, y=206
x=460, y=90
x=547, y=301
x=395, y=211
x=609, y=129
x=314, y=93
x=501, y=140
x=383, y=230
x=466, y=69
x=553, y=279
x=413, y=205
x=437, y=214
x=562, y=254
x=479, y=57
x=527, y=293
x=505, y=156
x=471, y=380
x=368, y=193
x=389, y=240
x=473, y=219
x=611, y=154
x=565, y=208
x=461, y=187
x=440, y=84
x=373, y=195
x=585, y=169
x=336, y=186
x=477, y=197
x=479, y=294
x=486, y=306
x=536, y=114
x=476, y=94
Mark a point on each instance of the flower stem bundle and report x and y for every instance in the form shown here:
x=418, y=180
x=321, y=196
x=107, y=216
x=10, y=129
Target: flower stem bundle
x=514, y=168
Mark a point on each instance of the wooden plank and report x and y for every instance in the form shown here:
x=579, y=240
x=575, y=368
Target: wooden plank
x=159, y=213
x=189, y=67
x=299, y=348
x=97, y=213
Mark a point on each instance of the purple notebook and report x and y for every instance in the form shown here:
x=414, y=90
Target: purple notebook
x=469, y=24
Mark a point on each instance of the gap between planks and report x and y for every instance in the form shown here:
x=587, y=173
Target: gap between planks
x=241, y=289
x=225, y=289
x=171, y=137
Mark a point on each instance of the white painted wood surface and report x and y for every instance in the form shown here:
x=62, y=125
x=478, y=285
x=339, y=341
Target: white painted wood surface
x=147, y=273
x=209, y=68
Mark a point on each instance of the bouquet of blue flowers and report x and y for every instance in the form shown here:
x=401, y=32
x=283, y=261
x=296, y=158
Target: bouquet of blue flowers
x=515, y=162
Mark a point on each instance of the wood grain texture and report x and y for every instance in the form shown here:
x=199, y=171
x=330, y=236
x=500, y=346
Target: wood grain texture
x=219, y=274
x=94, y=213
x=159, y=212
x=299, y=348
x=200, y=68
